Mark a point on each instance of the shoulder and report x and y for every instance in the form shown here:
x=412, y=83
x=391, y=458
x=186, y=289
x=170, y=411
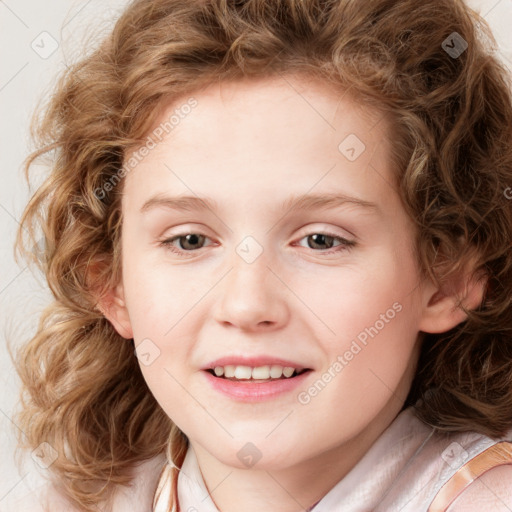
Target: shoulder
x=491, y=491
x=45, y=497
x=142, y=489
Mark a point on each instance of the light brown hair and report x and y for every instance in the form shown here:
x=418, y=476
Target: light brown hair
x=83, y=391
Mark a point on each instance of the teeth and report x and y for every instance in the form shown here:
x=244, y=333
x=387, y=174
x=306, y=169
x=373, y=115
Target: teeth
x=261, y=372
x=242, y=372
x=257, y=373
x=229, y=371
x=276, y=371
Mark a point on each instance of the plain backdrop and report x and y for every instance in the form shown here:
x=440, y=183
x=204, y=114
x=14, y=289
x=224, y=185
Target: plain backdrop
x=37, y=39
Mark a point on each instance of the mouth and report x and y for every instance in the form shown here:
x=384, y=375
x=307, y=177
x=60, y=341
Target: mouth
x=263, y=374
x=256, y=384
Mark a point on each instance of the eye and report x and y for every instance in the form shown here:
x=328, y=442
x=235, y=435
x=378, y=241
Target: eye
x=191, y=242
x=187, y=241
x=317, y=240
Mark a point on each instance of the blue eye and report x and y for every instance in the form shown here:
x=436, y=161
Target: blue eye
x=188, y=243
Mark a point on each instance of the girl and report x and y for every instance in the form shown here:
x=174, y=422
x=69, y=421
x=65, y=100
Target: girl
x=339, y=338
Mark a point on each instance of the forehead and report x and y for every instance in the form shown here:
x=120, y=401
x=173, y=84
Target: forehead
x=286, y=99
x=250, y=135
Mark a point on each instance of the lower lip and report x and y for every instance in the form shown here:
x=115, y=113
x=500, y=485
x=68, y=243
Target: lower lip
x=246, y=391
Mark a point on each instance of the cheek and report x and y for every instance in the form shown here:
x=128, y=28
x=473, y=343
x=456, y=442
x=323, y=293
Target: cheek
x=373, y=312
x=169, y=386
x=161, y=303
x=355, y=297
x=156, y=296
x=367, y=362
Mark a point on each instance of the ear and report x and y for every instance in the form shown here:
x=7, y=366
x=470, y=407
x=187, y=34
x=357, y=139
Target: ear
x=110, y=300
x=442, y=306
x=113, y=306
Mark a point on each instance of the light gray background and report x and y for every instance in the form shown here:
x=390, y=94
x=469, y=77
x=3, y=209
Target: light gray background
x=29, y=31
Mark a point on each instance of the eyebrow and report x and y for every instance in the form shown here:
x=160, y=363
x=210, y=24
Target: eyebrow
x=303, y=202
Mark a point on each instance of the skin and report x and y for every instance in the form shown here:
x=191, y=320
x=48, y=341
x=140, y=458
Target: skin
x=249, y=145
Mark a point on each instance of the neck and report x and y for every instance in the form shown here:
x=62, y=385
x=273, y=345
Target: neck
x=295, y=488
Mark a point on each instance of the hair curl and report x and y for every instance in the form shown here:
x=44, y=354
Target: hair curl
x=83, y=391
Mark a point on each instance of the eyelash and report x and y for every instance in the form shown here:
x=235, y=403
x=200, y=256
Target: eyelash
x=344, y=245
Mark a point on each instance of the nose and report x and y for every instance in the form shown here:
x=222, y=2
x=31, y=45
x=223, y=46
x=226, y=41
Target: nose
x=252, y=297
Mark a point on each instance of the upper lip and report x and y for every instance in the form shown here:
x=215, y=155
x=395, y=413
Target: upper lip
x=253, y=362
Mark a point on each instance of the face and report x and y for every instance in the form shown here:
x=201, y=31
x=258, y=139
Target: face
x=240, y=270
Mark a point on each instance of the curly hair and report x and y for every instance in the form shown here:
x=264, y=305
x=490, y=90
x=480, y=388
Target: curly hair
x=429, y=66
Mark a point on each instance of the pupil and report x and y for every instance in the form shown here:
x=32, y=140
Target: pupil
x=191, y=239
x=322, y=238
